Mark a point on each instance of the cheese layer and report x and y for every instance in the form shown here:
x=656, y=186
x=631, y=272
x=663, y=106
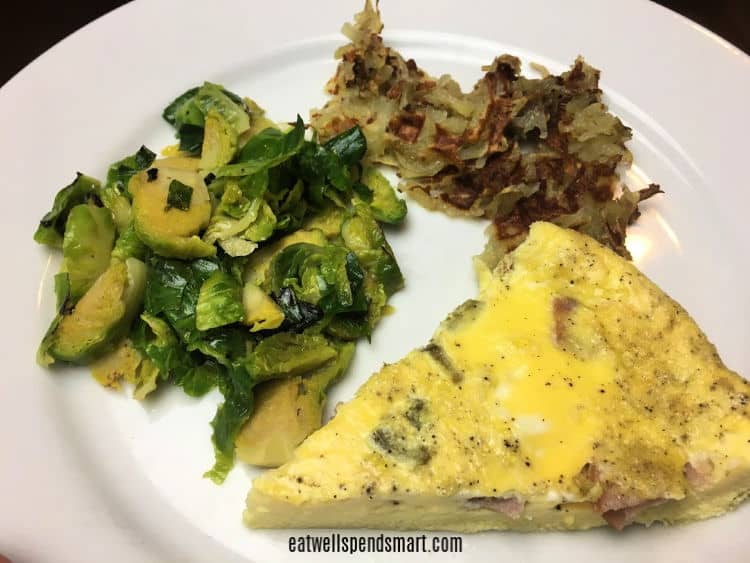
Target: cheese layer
x=572, y=392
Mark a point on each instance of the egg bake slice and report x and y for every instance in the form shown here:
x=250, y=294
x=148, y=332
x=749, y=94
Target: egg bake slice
x=572, y=393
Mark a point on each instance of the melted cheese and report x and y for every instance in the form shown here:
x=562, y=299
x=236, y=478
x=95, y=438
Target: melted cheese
x=569, y=360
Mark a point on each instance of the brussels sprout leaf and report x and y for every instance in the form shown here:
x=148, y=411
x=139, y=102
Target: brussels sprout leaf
x=52, y=226
x=179, y=196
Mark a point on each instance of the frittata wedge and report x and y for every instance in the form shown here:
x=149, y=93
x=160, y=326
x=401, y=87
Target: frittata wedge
x=572, y=393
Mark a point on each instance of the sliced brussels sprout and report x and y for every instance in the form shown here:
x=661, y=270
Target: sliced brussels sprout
x=122, y=362
x=328, y=220
x=361, y=232
x=260, y=261
x=287, y=411
x=87, y=245
x=224, y=120
x=219, y=302
x=386, y=206
x=52, y=226
x=213, y=98
x=219, y=141
x=286, y=354
x=100, y=318
x=129, y=245
x=263, y=225
x=261, y=312
x=169, y=230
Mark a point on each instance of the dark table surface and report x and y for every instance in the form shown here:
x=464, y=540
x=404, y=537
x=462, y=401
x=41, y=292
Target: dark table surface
x=21, y=42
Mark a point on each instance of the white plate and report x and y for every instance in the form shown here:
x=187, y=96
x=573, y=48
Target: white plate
x=86, y=475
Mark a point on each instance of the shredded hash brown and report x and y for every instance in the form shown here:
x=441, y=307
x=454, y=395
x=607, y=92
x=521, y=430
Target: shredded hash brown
x=513, y=150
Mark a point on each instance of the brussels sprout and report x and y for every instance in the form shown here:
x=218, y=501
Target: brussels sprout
x=219, y=302
x=183, y=110
x=298, y=315
x=258, y=120
x=115, y=195
x=286, y=354
x=101, y=316
x=361, y=232
x=350, y=146
x=169, y=360
x=213, y=98
x=386, y=206
x=52, y=226
x=145, y=380
x=209, y=120
x=87, y=245
x=219, y=141
x=224, y=120
x=287, y=411
x=328, y=220
x=267, y=149
x=242, y=218
x=170, y=231
x=260, y=261
x=128, y=245
x=263, y=225
x=120, y=363
x=172, y=289
x=363, y=235
x=261, y=312
x=328, y=276
x=382, y=266
x=238, y=246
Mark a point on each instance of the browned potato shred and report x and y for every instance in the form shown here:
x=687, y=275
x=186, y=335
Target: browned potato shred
x=514, y=150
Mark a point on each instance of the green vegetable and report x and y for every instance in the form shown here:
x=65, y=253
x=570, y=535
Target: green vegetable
x=172, y=289
x=219, y=302
x=225, y=118
x=100, y=318
x=242, y=217
x=261, y=312
x=115, y=195
x=328, y=220
x=213, y=98
x=128, y=245
x=287, y=411
x=179, y=196
x=52, y=226
x=261, y=257
x=183, y=110
x=120, y=173
x=263, y=225
x=237, y=389
x=362, y=234
x=385, y=204
x=327, y=276
x=219, y=141
x=297, y=315
x=259, y=262
x=87, y=245
x=267, y=149
x=156, y=340
x=63, y=302
x=191, y=138
x=350, y=146
x=167, y=230
x=146, y=379
x=286, y=354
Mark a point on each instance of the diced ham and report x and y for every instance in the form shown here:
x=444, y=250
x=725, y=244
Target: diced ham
x=510, y=506
x=618, y=506
x=621, y=517
x=699, y=473
x=562, y=307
